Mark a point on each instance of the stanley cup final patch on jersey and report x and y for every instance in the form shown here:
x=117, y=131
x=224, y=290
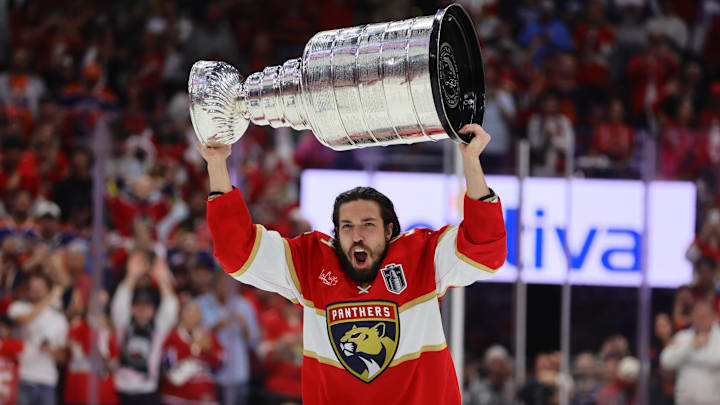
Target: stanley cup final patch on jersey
x=394, y=278
x=364, y=336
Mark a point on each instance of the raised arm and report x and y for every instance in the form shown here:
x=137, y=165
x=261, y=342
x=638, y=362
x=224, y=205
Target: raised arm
x=474, y=176
x=476, y=248
x=167, y=312
x=249, y=253
x=122, y=300
x=216, y=154
x=26, y=317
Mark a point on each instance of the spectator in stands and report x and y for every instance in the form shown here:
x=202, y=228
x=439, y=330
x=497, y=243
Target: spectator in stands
x=545, y=34
x=46, y=157
x=551, y=138
x=44, y=331
x=662, y=382
x=695, y=354
x=73, y=193
x=74, y=263
x=585, y=378
x=707, y=241
x=498, y=120
x=595, y=33
x=10, y=350
x=125, y=161
x=19, y=86
x=705, y=285
x=232, y=318
x=612, y=351
x=16, y=174
x=682, y=307
x=49, y=229
x=621, y=391
x=703, y=288
x=82, y=367
x=680, y=145
x=611, y=146
x=210, y=38
x=145, y=202
x=142, y=322
x=190, y=354
x=497, y=387
x=201, y=272
x=669, y=24
x=47, y=240
x=11, y=269
x=281, y=350
x=630, y=28
x=543, y=386
x=647, y=73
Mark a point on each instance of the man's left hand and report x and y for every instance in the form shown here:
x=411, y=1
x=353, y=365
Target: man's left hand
x=471, y=151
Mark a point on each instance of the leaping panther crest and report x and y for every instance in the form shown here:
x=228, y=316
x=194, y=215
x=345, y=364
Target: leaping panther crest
x=364, y=336
x=370, y=345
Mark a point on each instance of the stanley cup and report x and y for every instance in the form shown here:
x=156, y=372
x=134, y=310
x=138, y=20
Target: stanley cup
x=398, y=82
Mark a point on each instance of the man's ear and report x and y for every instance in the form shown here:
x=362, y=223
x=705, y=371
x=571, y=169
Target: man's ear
x=388, y=231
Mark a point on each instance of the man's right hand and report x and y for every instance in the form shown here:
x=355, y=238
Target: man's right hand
x=214, y=152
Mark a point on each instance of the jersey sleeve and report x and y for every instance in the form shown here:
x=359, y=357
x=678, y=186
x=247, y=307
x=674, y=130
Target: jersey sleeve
x=250, y=253
x=473, y=250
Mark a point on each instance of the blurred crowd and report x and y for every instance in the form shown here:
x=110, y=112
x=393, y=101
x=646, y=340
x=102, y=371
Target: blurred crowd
x=684, y=361
x=590, y=84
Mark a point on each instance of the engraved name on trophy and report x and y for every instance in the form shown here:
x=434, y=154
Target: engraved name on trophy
x=397, y=82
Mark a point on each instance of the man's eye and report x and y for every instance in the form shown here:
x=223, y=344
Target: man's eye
x=346, y=226
x=369, y=224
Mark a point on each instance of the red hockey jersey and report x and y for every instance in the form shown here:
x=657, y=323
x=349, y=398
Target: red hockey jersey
x=81, y=366
x=188, y=379
x=379, y=343
x=10, y=350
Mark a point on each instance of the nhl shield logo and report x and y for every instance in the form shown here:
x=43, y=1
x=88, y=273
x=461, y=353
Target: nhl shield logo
x=394, y=278
x=364, y=336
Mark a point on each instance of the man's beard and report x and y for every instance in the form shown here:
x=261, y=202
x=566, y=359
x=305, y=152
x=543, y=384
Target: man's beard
x=359, y=276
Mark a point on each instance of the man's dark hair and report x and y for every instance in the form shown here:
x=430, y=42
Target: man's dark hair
x=387, y=211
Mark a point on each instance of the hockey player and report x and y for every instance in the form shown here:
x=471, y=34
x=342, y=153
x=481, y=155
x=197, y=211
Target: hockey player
x=372, y=327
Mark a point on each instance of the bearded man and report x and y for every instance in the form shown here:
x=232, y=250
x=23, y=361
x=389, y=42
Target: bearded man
x=372, y=327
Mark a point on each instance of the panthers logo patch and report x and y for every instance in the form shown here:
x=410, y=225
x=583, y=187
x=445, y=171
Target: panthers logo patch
x=364, y=336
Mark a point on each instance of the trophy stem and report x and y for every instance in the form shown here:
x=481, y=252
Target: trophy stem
x=274, y=96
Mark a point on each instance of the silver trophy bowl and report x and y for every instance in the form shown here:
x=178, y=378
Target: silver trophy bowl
x=390, y=83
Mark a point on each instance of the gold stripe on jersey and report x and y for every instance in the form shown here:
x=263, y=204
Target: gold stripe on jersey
x=308, y=304
x=473, y=262
x=291, y=266
x=417, y=301
x=321, y=359
x=253, y=252
x=445, y=291
x=466, y=259
x=413, y=356
x=442, y=235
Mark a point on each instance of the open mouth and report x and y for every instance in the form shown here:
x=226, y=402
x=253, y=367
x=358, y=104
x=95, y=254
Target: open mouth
x=360, y=256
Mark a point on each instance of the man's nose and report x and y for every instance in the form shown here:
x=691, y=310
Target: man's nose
x=357, y=235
